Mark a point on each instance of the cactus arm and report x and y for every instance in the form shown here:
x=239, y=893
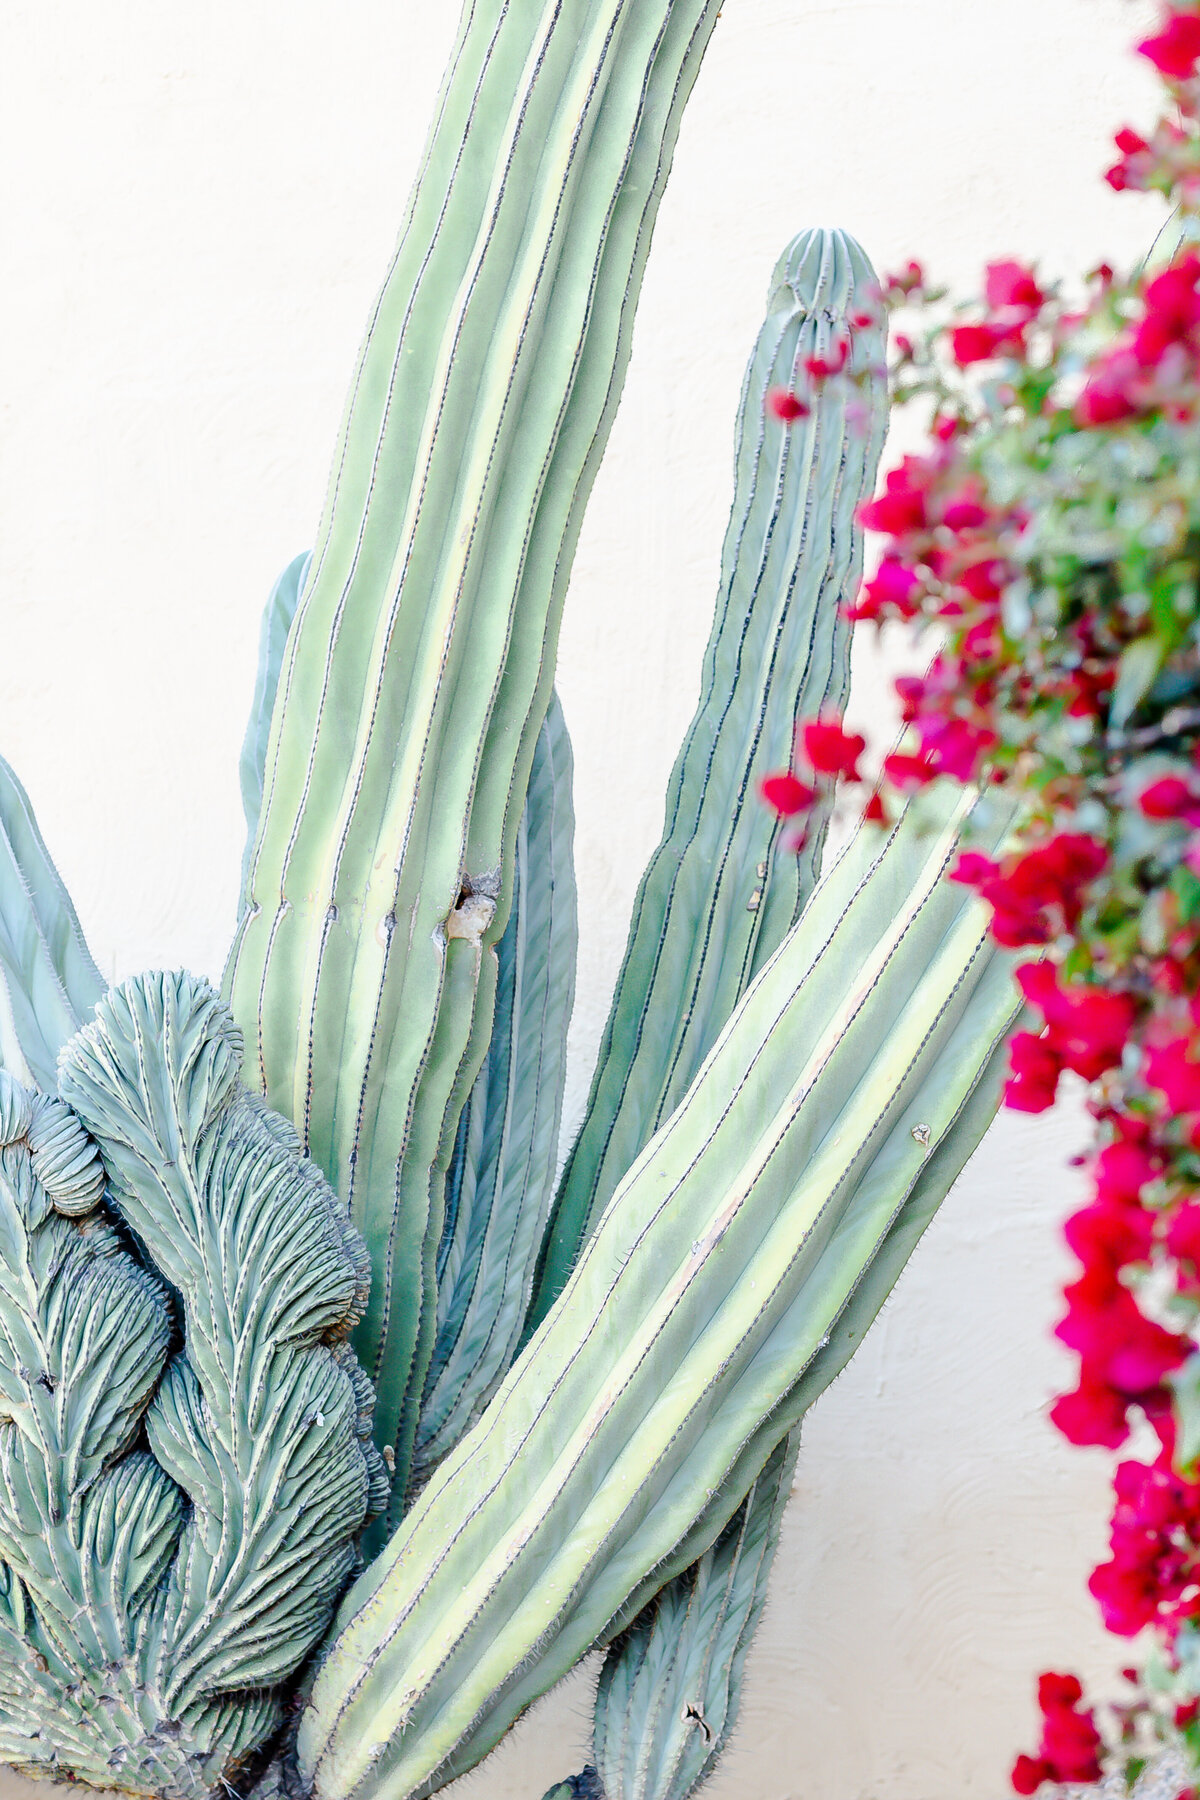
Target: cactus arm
x=509, y=1130
x=263, y=1420
x=945, y=1162
x=481, y=334
x=702, y=921
x=277, y=618
x=669, y=1690
x=48, y=980
x=695, y=1309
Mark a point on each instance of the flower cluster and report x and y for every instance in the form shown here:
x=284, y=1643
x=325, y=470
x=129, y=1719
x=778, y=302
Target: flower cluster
x=1070, y=1740
x=1049, y=533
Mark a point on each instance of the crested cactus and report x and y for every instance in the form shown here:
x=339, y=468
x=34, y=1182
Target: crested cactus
x=169, y=1590
x=585, y=1415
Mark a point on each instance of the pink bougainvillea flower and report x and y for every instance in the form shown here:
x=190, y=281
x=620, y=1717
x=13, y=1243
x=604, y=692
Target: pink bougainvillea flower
x=787, y=793
x=907, y=772
x=1032, y=1085
x=1170, y=797
x=1029, y=1773
x=1175, y=49
x=822, y=367
x=1070, y=1745
x=1171, y=1070
x=1012, y=284
x=787, y=406
x=901, y=506
x=831, y=750
x=894, y=591
x=976, y=343
x=1092, y=1415
x=1113, y=391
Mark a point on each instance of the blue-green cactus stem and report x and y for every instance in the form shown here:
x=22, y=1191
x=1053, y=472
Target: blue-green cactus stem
x=502, y=1177
x=715, y=900
x=48, y=979
x=670, y=1687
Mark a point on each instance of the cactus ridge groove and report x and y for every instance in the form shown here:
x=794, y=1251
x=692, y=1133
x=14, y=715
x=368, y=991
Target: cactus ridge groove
x=499, y=1192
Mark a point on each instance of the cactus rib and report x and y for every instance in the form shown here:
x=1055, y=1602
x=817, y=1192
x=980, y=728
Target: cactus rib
x=726, y=1257
x=277, y=618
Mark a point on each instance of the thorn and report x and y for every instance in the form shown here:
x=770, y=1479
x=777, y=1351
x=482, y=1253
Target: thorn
x=923, y=1135
x=755, y=901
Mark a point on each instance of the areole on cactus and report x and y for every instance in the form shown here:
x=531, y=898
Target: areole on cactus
x=251, y=1309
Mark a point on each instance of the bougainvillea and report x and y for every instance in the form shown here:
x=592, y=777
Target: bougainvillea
x=1049, y=532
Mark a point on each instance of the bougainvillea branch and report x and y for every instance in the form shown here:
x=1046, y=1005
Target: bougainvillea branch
x=1049, y=535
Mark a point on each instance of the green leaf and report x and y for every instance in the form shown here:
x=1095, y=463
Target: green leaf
x=1140, y=663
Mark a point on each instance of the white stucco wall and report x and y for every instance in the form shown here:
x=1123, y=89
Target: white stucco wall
x=198, y=202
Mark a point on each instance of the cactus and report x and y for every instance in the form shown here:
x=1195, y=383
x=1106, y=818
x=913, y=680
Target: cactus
x=662, y=1377
x=48, y=981
x=417, y=672
x=706, y=918
x=168, y=1592
x=589, y=1421
x=669, y=1688
x=713, y=904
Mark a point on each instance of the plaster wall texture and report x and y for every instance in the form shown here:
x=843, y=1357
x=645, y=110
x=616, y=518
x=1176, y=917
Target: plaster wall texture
x=198, y=205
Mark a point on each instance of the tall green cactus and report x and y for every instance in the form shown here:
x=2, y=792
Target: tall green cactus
x=714, y=903
x=706, y=916
x=417, y=672
x=793, y=1073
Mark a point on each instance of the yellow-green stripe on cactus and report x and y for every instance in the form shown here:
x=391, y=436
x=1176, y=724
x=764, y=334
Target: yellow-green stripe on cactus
x=417, y=670
x=715, y=901
x=725, y=1258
